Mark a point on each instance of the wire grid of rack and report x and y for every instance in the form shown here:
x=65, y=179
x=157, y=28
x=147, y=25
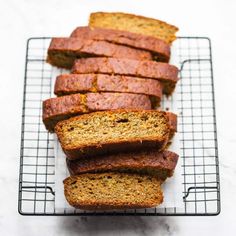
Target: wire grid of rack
x=197, y=129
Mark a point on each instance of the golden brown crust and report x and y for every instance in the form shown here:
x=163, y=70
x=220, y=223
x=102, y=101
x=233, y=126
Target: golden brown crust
x=160, y=164
x=111, y=101
x=113, y=191
x=113, y=144
x=108, y=147
x=173, y=123
x=80, y=83
x=159, y=48
x=63, y=51
x=167, y=74
x=61, y=108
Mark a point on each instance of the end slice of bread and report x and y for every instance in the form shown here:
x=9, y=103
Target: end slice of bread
x=135, y=24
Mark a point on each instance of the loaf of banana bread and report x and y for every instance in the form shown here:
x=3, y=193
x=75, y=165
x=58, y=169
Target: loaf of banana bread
x=61, y=108
x=63, y=51
x=134, y=23
x=80, y=83
x=113, y=191
x=167, y=74
x=159, y=164
x=111, y=131
x=159, y=49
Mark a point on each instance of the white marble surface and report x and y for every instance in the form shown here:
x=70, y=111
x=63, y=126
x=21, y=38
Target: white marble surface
x=20, y=20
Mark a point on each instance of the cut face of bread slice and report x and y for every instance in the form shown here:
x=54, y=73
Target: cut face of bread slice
x=152, y=162
x=158, y=48
x=113, y=191
x=135, y=24
x=111, y=131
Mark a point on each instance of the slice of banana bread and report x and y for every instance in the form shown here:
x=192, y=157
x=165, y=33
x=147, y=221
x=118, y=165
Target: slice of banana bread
x=63, y=51
x=112, y=131
x=159, y=164
x=61, y=108
x=65, y=107
x=80, y=83
x=167, y=74
x=159, y=49
x=113, y=191
x=135, y=24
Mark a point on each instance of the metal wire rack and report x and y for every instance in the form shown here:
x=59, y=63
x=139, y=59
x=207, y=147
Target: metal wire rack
x=197, y=129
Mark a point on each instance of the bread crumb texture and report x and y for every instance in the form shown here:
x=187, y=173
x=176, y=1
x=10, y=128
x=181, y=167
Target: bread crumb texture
x=113, y=191
x=135, y=24
x=99, y=127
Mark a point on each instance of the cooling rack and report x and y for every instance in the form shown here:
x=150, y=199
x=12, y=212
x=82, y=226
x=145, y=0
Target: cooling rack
x=197, y=130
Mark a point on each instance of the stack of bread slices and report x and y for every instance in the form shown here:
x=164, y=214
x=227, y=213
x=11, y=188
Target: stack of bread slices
x=107, y=112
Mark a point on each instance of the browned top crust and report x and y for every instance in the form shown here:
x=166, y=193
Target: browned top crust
x=79, y=83
x=124, y=66
x=173, y=121
x=160, y=164
x=62, y=50
x=158, y=47
x=166, y=73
